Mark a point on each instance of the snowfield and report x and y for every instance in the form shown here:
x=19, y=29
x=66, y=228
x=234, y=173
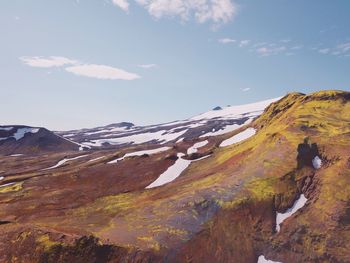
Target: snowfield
x=140, y=153
x=231, y=112
x=280, y=217
x=239, y=137
x=162, y=136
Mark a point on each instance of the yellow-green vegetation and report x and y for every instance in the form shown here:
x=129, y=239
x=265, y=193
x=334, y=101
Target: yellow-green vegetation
x=234, y=203
x=206, y=182
x=46, y=242
x=112, y=204
x=261, y=188
x=11, y=188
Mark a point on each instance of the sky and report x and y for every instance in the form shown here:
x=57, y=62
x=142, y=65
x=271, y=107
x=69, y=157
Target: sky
x=71, y=64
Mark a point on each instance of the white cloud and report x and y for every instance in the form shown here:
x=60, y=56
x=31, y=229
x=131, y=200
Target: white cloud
x=123, y=4
x=244, y=43
x=49, y=62
x=216, y=11
x=226, y=40
x=101, y=72
x=81, y=69
x=147, y=66
x=324, y=50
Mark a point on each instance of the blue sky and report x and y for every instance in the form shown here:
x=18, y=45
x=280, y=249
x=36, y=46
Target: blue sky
x=72, y=64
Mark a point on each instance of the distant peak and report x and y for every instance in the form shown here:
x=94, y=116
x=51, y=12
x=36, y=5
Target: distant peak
x=217, y=108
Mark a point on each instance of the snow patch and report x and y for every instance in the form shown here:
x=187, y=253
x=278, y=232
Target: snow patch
x=19, y=134
x=8, y=184
x=63, y=161
x=140, y=153
x=226, y=129
x=317, y=162
x=16, y=155
x=239, y=137
x=2, y=178
x=280, y=217
x=196, y=146
x=81, y=146
x=172, y=172
x=262, y=259
x=199, y=159
x=96, y=159
x=180, y=140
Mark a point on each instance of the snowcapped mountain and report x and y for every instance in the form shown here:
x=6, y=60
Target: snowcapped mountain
x=212, y=123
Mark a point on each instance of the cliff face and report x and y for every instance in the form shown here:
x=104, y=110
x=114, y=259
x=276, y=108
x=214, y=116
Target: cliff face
x=221, y=209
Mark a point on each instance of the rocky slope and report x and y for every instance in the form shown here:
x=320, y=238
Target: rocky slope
x=280, y=192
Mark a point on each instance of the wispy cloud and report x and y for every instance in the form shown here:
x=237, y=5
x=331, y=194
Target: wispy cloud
x=215, y=11
x=268, y=51
x=324, y=50
x=265, y=49
x=296, y=47
x=49, y=62
x=245, y=89
x=102, y=72
x=244, y=43
x=287, y=47
x=79, y=68
x=344, y=47
x=226, y=40
x=147, y=66
x=342, y=50
x=285, y=40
